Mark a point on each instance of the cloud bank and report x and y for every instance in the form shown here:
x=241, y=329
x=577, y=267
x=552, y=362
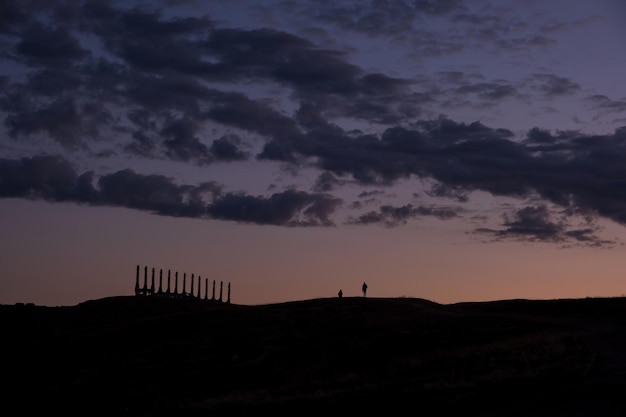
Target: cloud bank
x=106, y=81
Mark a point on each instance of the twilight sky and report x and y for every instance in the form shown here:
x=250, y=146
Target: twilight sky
x=453, y=150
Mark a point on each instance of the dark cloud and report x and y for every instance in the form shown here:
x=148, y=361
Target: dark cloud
x=52, y=83
x=53, y=178
x=326, y=181
x=368, y=194
x=566, y=168
x=476, y=27
x=372, y=18
x=392, y=216
x=182, y=144
x=266, y=53
x=541, y=136
x=442, y=190
x=288, y=208
x=60, y=119
x=439, y=7
x=12, y=16
x=168, y=87
x=227, y=148
x=534, y=221
x=143, y=144
x=489, y=91
x=167, y=93
x=550, y=85
x=524, y=44
x=237, y=110
x=605, y=105
x=148, y=42
x=537, y=224
x=380, y=18
x=400, y=153
x=154, y=193
x=42, y=45
x=42, y=177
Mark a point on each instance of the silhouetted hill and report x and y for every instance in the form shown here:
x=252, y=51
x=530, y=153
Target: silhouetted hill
x=152, y=356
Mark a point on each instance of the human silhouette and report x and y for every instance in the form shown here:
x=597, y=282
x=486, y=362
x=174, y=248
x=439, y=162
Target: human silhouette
x=364, y=289
x=340, y=293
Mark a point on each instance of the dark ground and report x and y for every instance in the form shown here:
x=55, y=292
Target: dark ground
x=152, y=356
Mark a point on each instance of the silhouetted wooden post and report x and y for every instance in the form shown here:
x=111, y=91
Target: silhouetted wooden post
x=176, y=283
x=152, y=285
x=137, y=289
x=184, y=284
x=168, y=282
x=191, y=292
x=160, y=281
x=199, y=284
x=228, y=300
x=213, y=297
x=206, y=288
x=221, y=286
x=144, y=290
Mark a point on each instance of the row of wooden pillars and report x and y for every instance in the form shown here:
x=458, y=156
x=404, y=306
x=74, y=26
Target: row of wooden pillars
x=151, y=290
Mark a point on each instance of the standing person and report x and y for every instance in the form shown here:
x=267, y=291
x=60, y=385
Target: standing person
x=340, y=293
x=364, y=289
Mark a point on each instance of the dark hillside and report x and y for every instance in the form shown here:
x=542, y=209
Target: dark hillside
x=151, y=356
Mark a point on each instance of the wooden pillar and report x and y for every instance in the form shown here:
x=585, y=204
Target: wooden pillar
x=191, y=291
x=152, y=284
x=168, y=282
x=176, y=284
x=144, y=290
x=206, y=288
x=137, y=289
x=160, y=281
x=221, y=286
x=199, y=284
x=213, y=297
x=228, y=300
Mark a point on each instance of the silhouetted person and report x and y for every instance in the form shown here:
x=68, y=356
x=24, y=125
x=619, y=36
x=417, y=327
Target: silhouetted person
x=364, y=288
x=340, y=293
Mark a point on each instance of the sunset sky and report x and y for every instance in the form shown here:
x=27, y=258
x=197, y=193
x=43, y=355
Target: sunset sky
x=453, y=150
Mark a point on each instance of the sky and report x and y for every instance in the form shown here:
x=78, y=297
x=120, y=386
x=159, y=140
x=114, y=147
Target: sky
x=452, y=150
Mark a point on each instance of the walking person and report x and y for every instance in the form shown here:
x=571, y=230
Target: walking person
x=364, y=288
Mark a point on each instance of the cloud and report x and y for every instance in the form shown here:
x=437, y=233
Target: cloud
x=536, y=224
x=392, y=216
x=182, y=144
x=53, y=178
x=443, y=190
x=550, y=85
x=227, y=148
x=100, y=78
x=326, y=181
x=43, y=177
x=567, y=168
x=43, y=45
x=604, y=106
x=288, y=208
x=51, y=82
x=154, y=193
x=60, y=119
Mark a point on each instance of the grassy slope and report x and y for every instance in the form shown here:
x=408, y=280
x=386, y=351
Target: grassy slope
x=152, y=356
